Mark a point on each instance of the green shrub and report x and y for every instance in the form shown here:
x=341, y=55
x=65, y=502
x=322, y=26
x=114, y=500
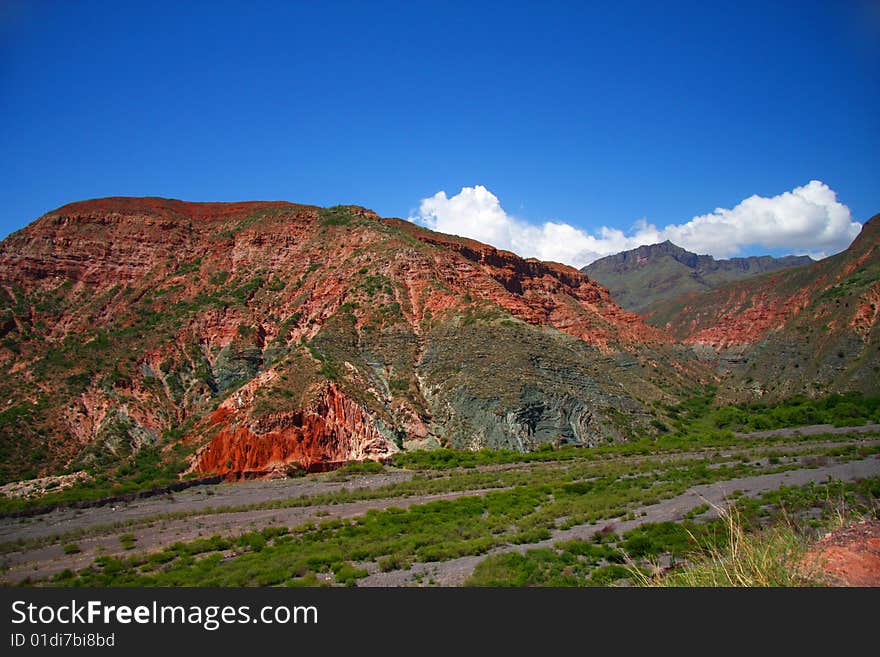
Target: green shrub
x=347, y=574
x=608, y=575
x=127, y=541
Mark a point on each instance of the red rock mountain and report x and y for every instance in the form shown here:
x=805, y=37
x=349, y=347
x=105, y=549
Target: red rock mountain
x=253, y=338
x=807, y=329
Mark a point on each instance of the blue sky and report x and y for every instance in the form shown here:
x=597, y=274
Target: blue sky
x=585, y=114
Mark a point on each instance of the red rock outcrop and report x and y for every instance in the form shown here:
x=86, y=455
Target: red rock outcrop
x=848, y=556
x=747, y=320
x=540, y=293
x=868, y=309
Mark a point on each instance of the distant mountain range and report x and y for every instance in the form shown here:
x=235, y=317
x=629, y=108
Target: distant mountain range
x=649, y=274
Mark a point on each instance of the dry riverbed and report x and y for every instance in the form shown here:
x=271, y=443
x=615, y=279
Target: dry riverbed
x=40, y=546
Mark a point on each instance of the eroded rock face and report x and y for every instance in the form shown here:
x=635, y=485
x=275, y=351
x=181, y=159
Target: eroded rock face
x=42, y=485
x=744, y=320
x=269, y=334
x=540, y=293
x=332, y=429
x=867, y=311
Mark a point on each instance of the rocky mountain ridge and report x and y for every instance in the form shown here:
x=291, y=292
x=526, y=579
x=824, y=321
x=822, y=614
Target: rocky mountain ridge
x=262, y=336
x=801, y=330
x=654, y=273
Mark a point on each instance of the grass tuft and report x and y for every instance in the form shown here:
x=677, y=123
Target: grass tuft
x=766, y=558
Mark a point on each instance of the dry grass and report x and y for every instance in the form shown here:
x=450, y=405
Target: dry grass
x=770, y=557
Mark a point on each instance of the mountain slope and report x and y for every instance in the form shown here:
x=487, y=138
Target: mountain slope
x=802, y=330
x=257, y=337
x=649, y=274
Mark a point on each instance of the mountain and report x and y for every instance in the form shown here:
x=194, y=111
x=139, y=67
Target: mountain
x=648, y=274
x=256, y=338
x=806, y=330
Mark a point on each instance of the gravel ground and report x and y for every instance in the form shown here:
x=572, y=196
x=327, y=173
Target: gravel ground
x=456, y=571
x=203, y=498
x=812, y=430
x=190, y=500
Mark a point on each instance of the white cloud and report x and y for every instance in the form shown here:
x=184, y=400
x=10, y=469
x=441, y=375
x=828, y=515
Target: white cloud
x=806, y=220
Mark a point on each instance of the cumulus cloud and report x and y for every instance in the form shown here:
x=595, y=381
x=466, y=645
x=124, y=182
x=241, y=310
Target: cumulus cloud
x=806, y=220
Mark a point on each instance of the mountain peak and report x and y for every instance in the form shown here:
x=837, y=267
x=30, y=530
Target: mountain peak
x=650, y=273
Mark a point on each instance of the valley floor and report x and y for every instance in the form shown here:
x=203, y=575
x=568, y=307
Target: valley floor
x=570, y=500
x=456, y=571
